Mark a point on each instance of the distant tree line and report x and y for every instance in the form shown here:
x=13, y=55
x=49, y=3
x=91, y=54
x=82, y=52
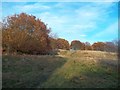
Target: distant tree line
x=97, y=46
x=23, y=33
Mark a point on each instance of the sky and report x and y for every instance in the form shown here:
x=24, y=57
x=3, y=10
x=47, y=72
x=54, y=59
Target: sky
x=83, y=21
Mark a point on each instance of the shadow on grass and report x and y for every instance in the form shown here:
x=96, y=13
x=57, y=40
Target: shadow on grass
x=28, y=71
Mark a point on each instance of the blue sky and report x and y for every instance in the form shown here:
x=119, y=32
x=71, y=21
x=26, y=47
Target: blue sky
x=84, y=21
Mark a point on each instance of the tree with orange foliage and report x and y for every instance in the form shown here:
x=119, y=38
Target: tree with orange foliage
x=100, y=46
x=62, y=44
x=25, y=33
x=77, y=45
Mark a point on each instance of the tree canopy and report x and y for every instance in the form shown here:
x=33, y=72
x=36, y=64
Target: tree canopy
x=25, y=33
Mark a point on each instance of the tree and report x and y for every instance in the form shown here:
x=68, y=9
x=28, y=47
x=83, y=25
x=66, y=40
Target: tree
x=88, y=46
x=77, y=45
x=111, y=47
x=82, y=46
x=53, y=41
x=25, y=33
x=100, y=46
x=62, y=44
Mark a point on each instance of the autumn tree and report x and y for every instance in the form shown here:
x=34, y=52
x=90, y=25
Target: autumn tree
x=77, y=45
x=25, y=33
x=62, y=44
x=100, y=46
x=82, y=46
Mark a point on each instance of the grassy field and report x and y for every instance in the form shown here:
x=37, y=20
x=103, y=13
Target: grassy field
x=79, y=69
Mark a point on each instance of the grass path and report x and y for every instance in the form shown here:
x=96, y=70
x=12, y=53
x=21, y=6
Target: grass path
x=81, y=69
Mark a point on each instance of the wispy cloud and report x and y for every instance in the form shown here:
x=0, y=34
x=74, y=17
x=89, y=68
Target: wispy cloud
x=32, y=7
x=83, y=35
x=78, y=20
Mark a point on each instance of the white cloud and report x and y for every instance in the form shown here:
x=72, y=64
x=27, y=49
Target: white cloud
x=83, y=35
x=52, y=19
x=80, y=28
x=84, y=20
x=93, y=12
x=32, y=7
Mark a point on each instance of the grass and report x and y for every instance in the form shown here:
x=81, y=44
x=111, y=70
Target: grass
x=80, y=69
x=28, y=71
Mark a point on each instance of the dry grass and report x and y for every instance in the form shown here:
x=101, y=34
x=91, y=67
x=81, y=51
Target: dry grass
x=79, y=69
x=86, y=69
x=28, y=71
